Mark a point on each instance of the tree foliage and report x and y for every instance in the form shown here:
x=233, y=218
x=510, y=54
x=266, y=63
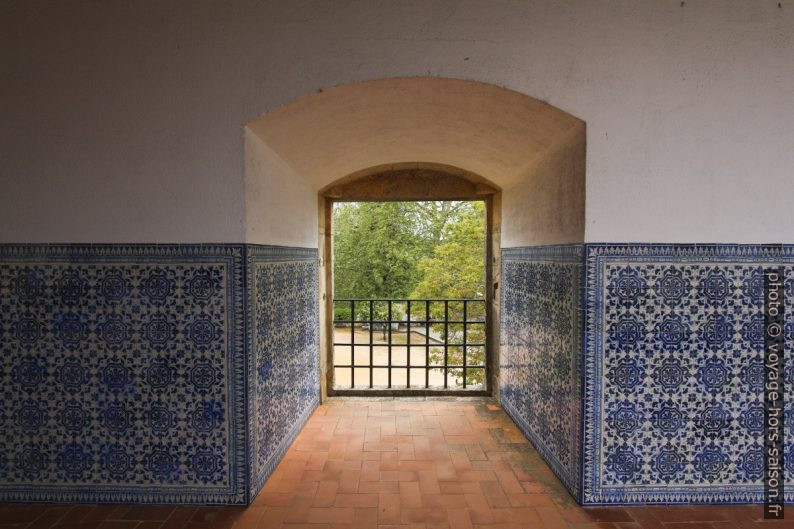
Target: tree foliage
x=409, y=249
x=376, y=248
x=455, y=268
x=417, y=250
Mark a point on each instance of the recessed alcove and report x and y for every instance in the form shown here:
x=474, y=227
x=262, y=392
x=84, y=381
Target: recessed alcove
x=434, y=139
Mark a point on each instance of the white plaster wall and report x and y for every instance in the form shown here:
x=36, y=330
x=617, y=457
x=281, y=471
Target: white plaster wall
x=280, y=205
x=547, y=206
x=122, y=121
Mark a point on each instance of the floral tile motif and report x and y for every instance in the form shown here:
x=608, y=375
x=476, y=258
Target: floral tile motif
x=122, y=373
x=284, y=339
x=674, y=373
x=540, y=353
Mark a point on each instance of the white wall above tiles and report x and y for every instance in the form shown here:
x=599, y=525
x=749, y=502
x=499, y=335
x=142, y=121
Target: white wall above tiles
x=123, y=122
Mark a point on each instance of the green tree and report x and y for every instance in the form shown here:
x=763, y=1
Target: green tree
x=376, y=248
x=388, y=250
x=397, y=249
x=455, y=267
x=454, y=271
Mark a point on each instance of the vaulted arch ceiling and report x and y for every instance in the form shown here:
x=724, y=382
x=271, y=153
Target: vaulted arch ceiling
x=481, y=128
x=502, y=140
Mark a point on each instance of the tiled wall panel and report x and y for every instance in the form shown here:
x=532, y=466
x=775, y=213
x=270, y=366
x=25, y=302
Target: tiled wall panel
x=122, y=374
x=152, y=373
x=284, y=334
x=540, y=353
x=674, y=372
x=671, y=359
x=128, y=375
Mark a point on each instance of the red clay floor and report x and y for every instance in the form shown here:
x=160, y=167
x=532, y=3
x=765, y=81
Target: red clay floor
x=400, y=464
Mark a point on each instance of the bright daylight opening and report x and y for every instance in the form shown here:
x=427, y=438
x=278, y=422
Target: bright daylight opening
x=409, y=295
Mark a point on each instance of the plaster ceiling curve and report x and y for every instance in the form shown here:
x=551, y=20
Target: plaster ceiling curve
x=481, y=128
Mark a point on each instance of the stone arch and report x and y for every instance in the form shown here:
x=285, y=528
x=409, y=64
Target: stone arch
x=413, y=139
x=529, y=150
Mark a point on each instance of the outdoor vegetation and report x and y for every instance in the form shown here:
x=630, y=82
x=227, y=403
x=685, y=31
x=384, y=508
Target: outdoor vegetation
x=414, y=250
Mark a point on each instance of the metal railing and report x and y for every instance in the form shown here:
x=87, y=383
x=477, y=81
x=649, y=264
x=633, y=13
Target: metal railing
x=409, y=344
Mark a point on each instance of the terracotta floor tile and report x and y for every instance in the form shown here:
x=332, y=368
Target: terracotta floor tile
x=489, y=464
x=249, y=518
x=475, y=453
x=366, y=518
x=608, y=514
x=380, y=447
x=428, y=482
x=645, y=517
x=298, y=510
x=326, y=494
x=337, y=450
x=422, y=515
x=481, y=516
x=349, y=480
x=551, y=518
x=476, y=475
x=509, y=483
x=544, y=499
x=398, y=475
x=105, y=512
x=75, y=513
x=458, y=487
x=330, y=515
x=688, y=513
x=444, y=501
x=79, y=525
x=23, y=514
x=389, y=509
x=525, y=500
x=445, y=471
x=307, y=526
x=51, y=516
x=521, y=473
x=475, y=497
x=459, y=519
x=392, y=487
x=410, y=495
x=522, y=515
x=150, y=524
x=389, y=461
x=495, y=496
x=316, y=460
x=742, y=513
x=149, y=512
x=179, y=517
x=118, y=524
x=689, y=525
x=273, y=498
x=411, y=464
x=460, y=460
x=272, y=518
x=370, y=470
x=356, y=500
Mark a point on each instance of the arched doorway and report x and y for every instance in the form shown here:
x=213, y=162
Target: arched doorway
x=417, y=138
x=453, y=339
